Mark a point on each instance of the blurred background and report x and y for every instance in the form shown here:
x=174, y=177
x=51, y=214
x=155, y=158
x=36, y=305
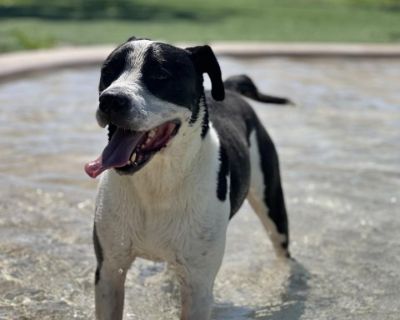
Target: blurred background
x=31, y=24
x=338, y=147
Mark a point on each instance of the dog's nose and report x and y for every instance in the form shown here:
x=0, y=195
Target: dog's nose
x=113, y=102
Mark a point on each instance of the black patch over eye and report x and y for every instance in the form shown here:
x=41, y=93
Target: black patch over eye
x=169, y=74
x=161, y=75
x=113, y=67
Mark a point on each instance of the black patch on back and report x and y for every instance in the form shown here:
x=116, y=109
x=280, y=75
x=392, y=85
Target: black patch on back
x=222, y=183
x=99, y=254
x=169, y=74
x=234, y=120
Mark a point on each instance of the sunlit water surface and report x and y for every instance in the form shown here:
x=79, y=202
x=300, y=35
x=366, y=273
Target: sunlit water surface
x=340, y=160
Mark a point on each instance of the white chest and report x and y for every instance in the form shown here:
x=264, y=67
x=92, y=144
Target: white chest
x=170, y=206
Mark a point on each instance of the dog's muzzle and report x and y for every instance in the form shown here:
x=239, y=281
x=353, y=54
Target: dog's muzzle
x=117, y=108
x=128, y=151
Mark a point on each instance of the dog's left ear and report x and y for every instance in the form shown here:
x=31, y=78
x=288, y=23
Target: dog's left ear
x=205, y=61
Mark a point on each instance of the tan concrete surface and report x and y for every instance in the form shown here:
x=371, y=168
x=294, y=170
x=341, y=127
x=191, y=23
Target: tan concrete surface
x=21, y=63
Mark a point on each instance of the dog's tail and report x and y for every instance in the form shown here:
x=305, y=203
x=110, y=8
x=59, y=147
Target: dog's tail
x=245, y=86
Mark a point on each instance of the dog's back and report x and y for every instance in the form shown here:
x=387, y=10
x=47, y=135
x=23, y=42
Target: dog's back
x=248, y=154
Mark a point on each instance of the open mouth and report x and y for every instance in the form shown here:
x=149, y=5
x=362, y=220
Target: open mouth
x=129, y=151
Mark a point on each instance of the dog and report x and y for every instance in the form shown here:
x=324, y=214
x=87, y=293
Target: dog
x=179, y=163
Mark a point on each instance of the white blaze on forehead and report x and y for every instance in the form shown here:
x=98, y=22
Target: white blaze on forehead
x=129, y=78
x=133, y=64
x=135, y=59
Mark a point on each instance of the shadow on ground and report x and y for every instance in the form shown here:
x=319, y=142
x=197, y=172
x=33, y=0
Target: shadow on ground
x=292, y=304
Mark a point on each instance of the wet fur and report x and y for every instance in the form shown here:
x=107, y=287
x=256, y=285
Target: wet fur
x=177, y=208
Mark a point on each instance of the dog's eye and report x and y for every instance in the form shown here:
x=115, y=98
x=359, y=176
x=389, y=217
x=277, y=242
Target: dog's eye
x=161, y=75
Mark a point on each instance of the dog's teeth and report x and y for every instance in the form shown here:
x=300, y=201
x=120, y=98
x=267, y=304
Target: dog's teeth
x=151, y=134
x=133, y=156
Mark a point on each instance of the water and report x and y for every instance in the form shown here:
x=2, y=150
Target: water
x=340, y=160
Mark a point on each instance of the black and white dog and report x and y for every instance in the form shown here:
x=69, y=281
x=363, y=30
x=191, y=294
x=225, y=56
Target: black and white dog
x=183, y=161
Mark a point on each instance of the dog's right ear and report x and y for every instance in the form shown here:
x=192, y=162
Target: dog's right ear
x=205, y=61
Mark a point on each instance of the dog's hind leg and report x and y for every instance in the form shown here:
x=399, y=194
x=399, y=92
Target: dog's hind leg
x=265, y=194
x=109, y=283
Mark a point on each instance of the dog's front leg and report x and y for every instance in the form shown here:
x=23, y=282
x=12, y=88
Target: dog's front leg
x=109, y=292
x=113, y=262
x=196, y=300
x=197, y=275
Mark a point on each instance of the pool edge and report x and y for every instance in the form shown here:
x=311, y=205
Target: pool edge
x=18, y=64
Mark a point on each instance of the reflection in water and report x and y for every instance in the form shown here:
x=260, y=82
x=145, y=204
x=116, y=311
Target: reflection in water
x=340, y=166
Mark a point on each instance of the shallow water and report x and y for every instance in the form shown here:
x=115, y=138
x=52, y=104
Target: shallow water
x=340, y=161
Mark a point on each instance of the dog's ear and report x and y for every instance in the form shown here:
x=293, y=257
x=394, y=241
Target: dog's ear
x=133, y=38
x=205, y=61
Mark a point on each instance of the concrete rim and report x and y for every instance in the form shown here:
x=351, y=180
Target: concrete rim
x=19, y=64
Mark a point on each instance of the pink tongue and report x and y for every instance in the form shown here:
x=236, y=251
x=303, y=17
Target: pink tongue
x=117, y=152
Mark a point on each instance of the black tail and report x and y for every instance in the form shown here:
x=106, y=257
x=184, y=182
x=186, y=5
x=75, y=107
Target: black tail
x=245, y=86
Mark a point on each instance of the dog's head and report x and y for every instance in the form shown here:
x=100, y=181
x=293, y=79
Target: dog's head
x=147, y=90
